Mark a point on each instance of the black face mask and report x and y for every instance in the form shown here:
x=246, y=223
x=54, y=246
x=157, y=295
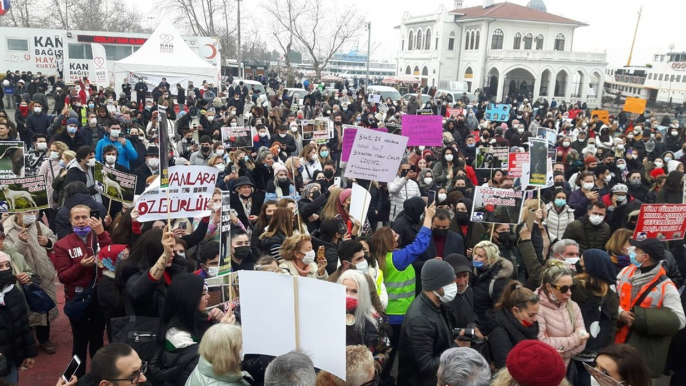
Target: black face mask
x=328, y=173
x=560, y=183
x=316, y=194
x=217, y=137
x=440, y=232
x=462, y=218
x=504, y=237
x=6, y=278
x=240, y=253
x=205, y=149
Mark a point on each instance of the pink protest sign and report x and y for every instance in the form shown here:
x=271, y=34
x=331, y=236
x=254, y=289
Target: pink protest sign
x=349, y=137
x=423, y=130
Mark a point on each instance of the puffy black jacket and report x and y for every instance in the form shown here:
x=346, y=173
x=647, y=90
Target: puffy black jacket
x=588, y=235
x=172, y=368
x=425, y=333
x=506, y=332
x=145, y=297
x=501, y=272
x=16, y=339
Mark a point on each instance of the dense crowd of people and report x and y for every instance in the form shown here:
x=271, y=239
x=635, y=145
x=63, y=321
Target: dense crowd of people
x=570, y=298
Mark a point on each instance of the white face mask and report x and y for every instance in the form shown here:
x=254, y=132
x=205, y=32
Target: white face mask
x=37, y=110
x=54, y=155
x=363, y=266
x=658, y=164
x=621, y=166
x=91, y=162
x=29, y=219
x=153, y=162
x=587, y=185
x=283, y=135
x=607, y=179
x=220, y=167
x=449, y=157
x=565, y=144
x=262, y=134
x=212, y=271
x=309, y=258
x=450, y=291
x=428, y=181
x=41, y=146
x=219, y=152
x=210, y=118
x=442, y=197
x=621, y=198
x=93, y=121
x=111, y=159
x=115, y=133
x=294, y=128
x=596, y=219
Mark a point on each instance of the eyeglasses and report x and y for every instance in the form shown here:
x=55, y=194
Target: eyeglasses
x=135, y=376
x=373, y=381
x=565, y=288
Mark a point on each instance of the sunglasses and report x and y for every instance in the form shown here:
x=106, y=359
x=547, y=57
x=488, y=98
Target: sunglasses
x=565, y=288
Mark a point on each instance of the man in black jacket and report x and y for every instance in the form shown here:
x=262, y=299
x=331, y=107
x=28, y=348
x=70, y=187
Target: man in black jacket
x=151, y=166
x=141, y=88
x=427, y=329
x=284, y=139
x=463, y=304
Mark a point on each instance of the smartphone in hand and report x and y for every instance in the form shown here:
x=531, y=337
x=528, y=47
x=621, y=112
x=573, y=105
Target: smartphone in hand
x=72, y=368
x=321, y=254
x=431, y=197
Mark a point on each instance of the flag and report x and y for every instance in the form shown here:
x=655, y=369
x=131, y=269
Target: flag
x=163, y=137
x=98, y=71
x=4, y=6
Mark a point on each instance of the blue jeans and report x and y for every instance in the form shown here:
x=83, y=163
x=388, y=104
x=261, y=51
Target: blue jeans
x=13, y=376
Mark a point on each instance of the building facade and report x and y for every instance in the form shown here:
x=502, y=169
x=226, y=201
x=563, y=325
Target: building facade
x=504, y=49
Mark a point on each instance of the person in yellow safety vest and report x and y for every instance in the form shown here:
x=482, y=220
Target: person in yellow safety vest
x=650, y=309
x=399, y=274
x=80, y=110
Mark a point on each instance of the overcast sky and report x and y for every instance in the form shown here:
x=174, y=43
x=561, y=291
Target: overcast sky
x=610, y=27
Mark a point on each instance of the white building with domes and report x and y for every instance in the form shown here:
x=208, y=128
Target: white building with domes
x=503, y=48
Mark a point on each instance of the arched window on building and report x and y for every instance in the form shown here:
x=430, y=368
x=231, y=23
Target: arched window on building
x=471, y=40
x=539, y=42
x=410, y=40
x=478, y=35
x=528, y=40
x=427, y=40
x=451, y=41
x=466, y=40
x=560, y=42
x=497, y=40
x=408, y=70
x=517, y=43
x=420, y=40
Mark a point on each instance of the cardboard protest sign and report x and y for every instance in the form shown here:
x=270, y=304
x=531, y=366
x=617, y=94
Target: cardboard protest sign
x=116, y=185
x=316, y=129
x=497, y=112
x=661, y=221
x=423, y=130
x=496, y=205
x=491, y=157
x=538, y=165
x=374, y=98
x=550, y=135
x=603, y=115
x=453, y=112
x=267, y=296
x=23, y=194
x=635, y=105
x=11, y=159
x=237, y=137
x=349, y=132
x=376, y=156
x=515, y=163
x=225, y=235
x=190, y=190
x=359, y=203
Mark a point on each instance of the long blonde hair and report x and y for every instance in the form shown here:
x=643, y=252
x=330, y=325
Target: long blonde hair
x=491, y=250
x=330, y=210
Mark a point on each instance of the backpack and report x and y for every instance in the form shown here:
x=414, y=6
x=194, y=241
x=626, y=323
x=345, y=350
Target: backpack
x=598, y=322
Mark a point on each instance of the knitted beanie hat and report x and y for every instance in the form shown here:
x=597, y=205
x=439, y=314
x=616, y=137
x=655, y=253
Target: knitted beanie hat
x=534, y=363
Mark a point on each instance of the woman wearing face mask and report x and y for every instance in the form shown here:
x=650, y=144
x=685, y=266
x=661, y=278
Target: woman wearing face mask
x=616, y=202
x=426, y=182
x=581, y=198
x=491, y=274
x=561, y=324
x=559, y=215
x=83, y=170
x=471, y=232
x=262, y=138
x=208, y=258
x=295, y=168
x=672, y=189
x=300, y=259
x=281, y=186
x=598, y=303
x=182, y=325
x=637, y=189
x=445, y=169
x=311, y=204
x=27, y=235
x=324, y=154
x=311, y=162
x=374, y=271
x=514, y=320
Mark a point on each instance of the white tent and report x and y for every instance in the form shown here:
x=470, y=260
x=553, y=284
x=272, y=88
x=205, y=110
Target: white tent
x=164, y=55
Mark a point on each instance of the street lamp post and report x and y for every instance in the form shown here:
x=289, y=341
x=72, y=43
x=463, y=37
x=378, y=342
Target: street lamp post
x=369, y=42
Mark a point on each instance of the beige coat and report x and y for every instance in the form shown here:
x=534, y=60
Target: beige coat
x=37, y=259
x=290, y=267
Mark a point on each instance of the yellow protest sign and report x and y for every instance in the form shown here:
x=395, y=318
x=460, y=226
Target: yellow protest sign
x=603, y=115
x=635, y=105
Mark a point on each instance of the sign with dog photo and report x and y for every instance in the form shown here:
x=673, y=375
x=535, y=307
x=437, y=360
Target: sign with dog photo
x=116, y=185
x=23, y=194
x=11, y=159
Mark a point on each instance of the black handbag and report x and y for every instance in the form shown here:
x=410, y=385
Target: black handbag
x=76, y=306
x=139, y=332
x=38, y=300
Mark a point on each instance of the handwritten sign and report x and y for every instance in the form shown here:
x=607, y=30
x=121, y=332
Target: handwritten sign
x=374, y=98
x=515, y=163
x=497, y=112
x=349, y=132
x=603, y=115
x=423, y=130
x=635, y=105
x=493, y=205
x=376, y=156
x=661, y=221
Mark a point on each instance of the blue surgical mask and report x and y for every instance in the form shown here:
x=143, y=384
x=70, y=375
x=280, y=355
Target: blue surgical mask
x=632, y=257
x=477, y=264
x=246, y=158
x=560, y=202
x=472, y=145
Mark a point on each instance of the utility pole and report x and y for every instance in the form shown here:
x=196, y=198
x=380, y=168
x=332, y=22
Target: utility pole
x=628, y=62
x=241, y=72
x=369, y=42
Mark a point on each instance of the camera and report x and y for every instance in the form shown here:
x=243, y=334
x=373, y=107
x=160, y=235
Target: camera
x=468, y=333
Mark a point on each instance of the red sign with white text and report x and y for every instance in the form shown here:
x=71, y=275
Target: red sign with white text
x=515, y=162
x=661, y=221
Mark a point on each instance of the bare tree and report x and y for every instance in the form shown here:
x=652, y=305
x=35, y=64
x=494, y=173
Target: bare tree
x=95, y=15
x=284, y=15
x=320, y=30
x=23, y=13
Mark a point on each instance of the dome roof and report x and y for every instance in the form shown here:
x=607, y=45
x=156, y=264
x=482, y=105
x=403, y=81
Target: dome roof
x=538, y=5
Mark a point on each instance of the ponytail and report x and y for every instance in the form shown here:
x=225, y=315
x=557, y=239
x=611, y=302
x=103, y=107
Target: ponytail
x=514, y=295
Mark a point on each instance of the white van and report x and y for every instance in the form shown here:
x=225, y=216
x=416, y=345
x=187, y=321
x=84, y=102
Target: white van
x=385, y=92
x=456, y=94
x=251, y=83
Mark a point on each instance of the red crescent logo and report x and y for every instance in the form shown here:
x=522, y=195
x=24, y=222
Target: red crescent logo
x=214, y=51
